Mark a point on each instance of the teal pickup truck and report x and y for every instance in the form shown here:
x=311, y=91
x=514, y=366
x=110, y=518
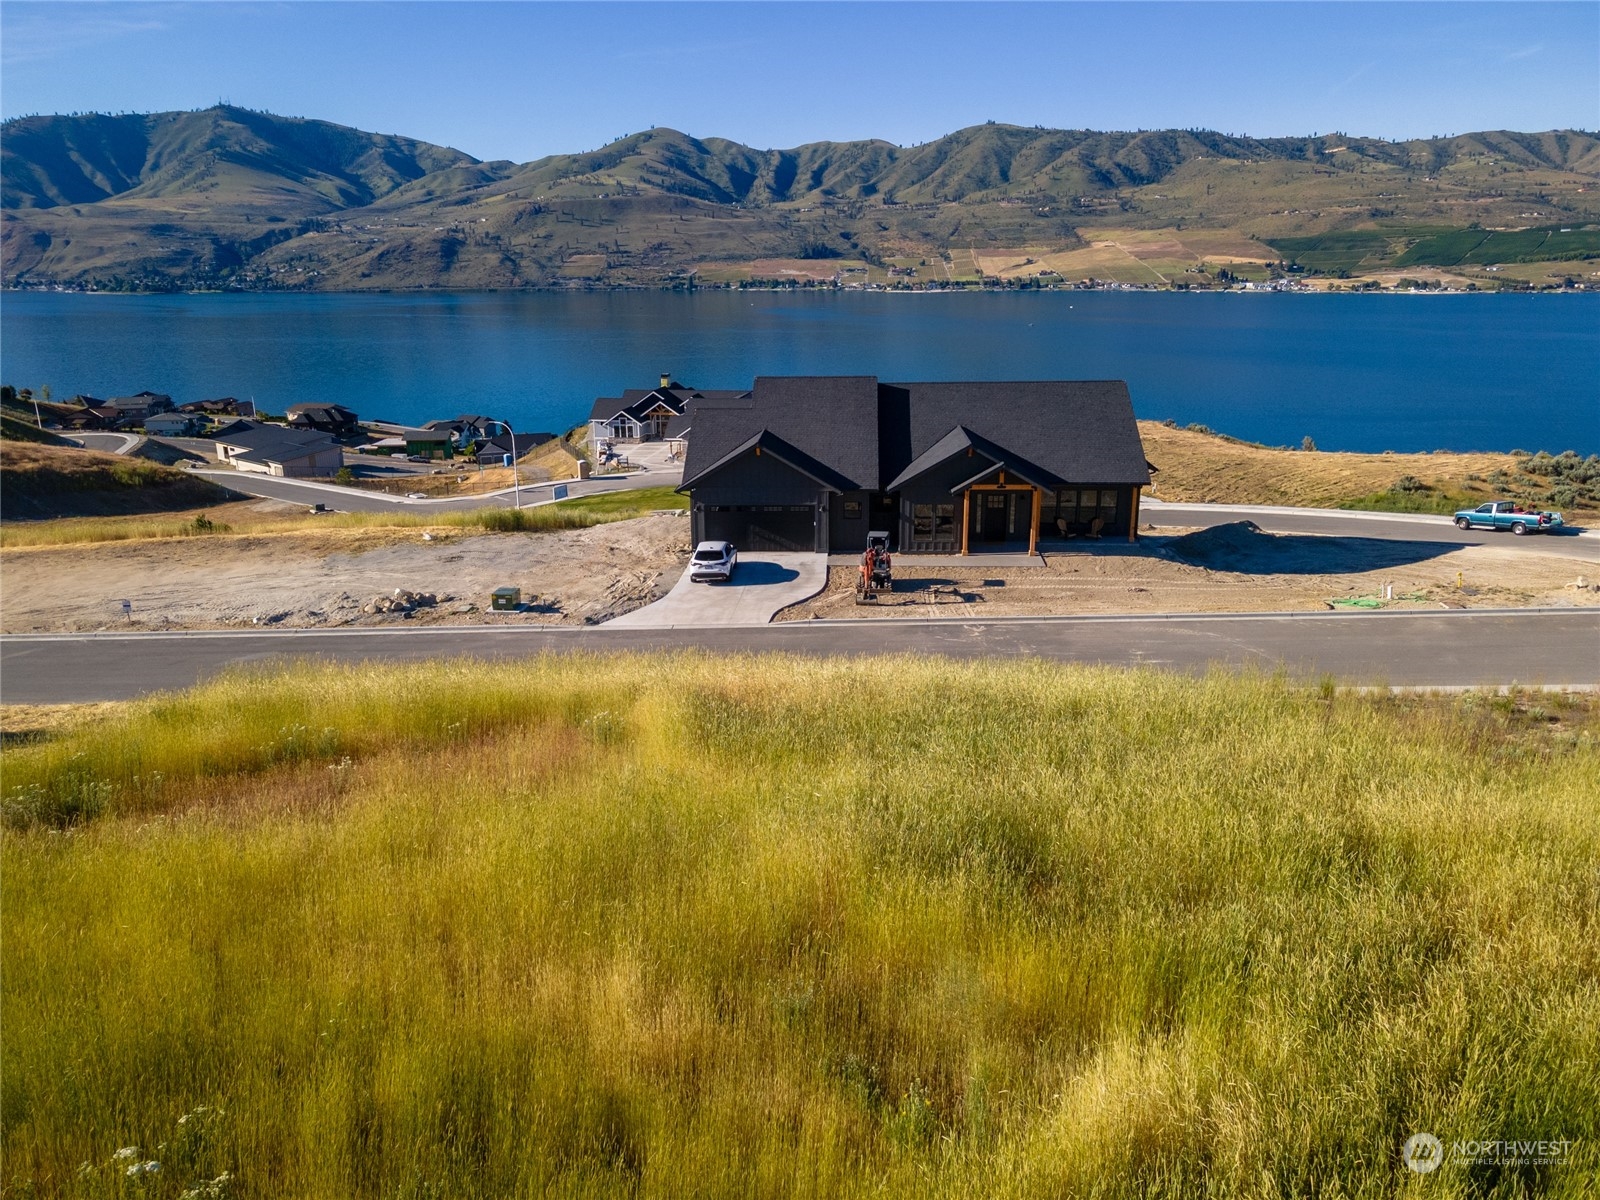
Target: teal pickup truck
x=1508, y=514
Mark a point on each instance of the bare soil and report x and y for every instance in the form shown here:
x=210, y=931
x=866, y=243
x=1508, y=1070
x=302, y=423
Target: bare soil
x=316, y=579
x=1230, y=568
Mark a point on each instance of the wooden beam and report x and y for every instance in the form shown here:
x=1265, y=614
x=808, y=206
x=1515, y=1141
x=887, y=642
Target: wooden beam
x=1133, y=518
x=966, y=518
x=1033, y=529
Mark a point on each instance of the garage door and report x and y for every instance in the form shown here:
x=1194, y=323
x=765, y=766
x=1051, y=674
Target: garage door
x=763, y=527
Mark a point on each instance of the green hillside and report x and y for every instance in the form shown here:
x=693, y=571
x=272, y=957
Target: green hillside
x=228, y=197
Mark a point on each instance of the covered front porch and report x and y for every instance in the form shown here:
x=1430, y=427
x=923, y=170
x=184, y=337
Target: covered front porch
x=1004, y=515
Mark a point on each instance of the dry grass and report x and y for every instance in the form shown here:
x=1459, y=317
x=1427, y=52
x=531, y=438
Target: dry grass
x=683, y=925
x=43, y=481
x=1203, y=467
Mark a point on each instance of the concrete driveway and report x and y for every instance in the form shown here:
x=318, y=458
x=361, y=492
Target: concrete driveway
x=761, y=585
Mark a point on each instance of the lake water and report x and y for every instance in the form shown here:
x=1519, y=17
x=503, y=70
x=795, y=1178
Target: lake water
x=1354, y=372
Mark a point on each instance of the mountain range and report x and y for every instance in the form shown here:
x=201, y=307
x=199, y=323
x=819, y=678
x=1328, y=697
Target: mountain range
x=227, y=197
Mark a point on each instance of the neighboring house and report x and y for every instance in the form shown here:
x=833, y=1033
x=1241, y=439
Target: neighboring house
x=486, y=438
x=813, y=463
x=274, y=450
x=660, y=414
x=493, y=450
x=226, y=406
x=177, y=424
x=430, y=443
x=469, y=429
x=140, y=405
x=91, y=416
x=333, y=419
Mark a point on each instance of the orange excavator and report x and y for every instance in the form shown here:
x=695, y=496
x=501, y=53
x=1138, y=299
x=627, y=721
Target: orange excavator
x=877, y=569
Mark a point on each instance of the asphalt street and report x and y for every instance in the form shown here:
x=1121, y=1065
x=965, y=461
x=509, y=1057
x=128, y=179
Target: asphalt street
x=1464, y=648
x=1402, y=527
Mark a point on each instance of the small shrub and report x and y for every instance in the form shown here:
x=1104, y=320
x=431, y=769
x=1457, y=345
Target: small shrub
x=1307, y=444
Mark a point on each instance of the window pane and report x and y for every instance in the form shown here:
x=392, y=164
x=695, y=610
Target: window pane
x=1108, y=500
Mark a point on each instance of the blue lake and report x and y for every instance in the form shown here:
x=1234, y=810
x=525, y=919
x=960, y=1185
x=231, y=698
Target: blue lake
x=1354, y=372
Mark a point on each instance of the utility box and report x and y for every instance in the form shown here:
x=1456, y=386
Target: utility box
x=506, y=599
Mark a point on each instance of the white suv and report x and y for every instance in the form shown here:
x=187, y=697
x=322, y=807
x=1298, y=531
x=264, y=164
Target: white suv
x=712, y=560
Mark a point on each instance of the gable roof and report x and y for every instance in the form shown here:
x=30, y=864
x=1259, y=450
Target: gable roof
x=831, y=419
x=635, y=402
x=791, y=456
x=868, y=436
x=1078, y=431
x=272, y=443
x=961, y=438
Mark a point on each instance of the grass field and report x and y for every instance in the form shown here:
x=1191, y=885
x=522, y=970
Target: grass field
x=671, y=926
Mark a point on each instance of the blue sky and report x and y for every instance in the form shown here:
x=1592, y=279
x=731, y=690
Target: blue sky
x=518, y=80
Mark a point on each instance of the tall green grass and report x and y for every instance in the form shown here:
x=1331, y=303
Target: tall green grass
x=684, y=925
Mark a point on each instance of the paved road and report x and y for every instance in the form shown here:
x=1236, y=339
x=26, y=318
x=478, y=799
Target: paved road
x=108, y=443
x=343, y=499
x=1387, y=526
x=1552, y=647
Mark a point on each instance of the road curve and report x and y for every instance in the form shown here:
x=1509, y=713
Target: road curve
x=1464, y=648
x=345, y=499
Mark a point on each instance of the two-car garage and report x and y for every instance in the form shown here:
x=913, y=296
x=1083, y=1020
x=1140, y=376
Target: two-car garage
x=771, y=527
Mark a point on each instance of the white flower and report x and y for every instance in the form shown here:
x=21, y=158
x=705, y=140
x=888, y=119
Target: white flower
x=125, y=1153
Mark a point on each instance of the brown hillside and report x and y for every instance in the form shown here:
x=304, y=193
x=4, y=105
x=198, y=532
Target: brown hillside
x=39, y=482
x=1197, y=466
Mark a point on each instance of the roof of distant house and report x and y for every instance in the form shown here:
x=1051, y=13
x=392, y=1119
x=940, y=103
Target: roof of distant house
x=636, y=402
x=273, y=443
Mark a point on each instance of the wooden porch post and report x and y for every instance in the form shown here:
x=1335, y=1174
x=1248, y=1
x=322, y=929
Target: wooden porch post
x=966, y=518
x=1033, y=528
x=1133, y=517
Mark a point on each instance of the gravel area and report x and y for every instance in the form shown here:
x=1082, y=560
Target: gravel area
x=307, y=581
x=1228, y=568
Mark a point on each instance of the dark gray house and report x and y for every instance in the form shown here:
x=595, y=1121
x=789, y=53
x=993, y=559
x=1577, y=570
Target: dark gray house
x=814, y=462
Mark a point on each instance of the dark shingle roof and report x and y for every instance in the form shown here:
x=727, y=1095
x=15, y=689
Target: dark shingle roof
x=878, y=436
x=638, y=401
x=271, y=443
x=961, y=439
x=832, y=419
x=1081, y=431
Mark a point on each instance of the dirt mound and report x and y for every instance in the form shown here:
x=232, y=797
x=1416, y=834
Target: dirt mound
x=39, y=482
x=1223, y=547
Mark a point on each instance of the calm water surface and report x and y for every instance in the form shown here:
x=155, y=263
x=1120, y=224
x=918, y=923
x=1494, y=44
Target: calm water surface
x=1356, y=372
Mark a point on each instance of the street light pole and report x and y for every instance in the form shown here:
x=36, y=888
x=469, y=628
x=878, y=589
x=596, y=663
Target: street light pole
x=516, y=480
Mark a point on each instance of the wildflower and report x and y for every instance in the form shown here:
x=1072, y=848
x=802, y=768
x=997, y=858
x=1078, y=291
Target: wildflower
x=125, y=1153
x=140, y=1169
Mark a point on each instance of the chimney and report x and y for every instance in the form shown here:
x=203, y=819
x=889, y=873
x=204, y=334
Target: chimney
x=665, y=379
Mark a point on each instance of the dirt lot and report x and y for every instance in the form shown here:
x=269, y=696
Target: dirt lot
x=326, y=579
x=1232, y=568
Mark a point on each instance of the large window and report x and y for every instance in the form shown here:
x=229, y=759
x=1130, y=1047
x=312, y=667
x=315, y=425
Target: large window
x=1074, y=511
x=933, y=527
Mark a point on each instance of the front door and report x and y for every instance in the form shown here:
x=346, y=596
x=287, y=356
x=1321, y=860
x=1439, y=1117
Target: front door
x=992, y=516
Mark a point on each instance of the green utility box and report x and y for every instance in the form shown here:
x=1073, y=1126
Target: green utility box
x=506, y=599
